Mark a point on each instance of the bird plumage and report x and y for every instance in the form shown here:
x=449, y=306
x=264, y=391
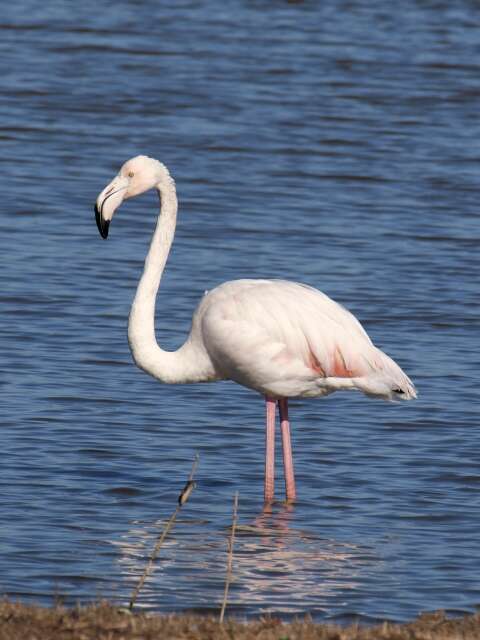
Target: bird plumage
x=286, y=339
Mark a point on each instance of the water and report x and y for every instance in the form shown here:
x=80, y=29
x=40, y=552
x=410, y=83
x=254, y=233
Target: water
x=335, y=144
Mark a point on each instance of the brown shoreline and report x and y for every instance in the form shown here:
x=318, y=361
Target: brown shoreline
x=103, y=621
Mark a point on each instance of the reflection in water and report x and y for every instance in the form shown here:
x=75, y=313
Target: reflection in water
x=276, y=567
x=286, y=570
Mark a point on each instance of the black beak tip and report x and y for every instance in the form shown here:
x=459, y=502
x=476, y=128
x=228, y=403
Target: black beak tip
x=102, y=224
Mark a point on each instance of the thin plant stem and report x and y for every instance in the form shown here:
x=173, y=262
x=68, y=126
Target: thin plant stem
x=228, y=577
x=182, y=499
x=194, y=467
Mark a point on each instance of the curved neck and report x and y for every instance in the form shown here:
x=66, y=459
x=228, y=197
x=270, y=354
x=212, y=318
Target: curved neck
x=141, y=326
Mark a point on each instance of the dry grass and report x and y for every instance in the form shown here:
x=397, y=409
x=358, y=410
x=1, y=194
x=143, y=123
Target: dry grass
x=105, y=622
x=182, y=499
x=231, y=540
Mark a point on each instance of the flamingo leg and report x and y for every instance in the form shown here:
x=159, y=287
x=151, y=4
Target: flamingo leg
x=287, y=450
x=269, y=486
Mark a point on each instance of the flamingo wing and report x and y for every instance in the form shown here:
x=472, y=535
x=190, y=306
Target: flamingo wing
x=287, y=339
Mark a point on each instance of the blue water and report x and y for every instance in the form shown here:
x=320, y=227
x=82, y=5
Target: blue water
x=335, y=143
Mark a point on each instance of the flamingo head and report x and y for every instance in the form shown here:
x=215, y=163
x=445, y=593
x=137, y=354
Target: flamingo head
x=136, y=176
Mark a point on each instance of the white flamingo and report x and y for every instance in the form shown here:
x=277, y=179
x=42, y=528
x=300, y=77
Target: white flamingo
x=280, y=338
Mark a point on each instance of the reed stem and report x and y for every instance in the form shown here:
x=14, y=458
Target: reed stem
x=182, y=499
x=228, y=577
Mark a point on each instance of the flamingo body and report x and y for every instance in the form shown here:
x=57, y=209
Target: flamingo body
x=280, y=338
x=285, y=339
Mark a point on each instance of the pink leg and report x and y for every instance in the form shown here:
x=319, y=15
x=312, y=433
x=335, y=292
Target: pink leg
x=287, y=450
x=269, y=486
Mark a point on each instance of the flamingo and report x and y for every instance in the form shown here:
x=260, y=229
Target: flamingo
x=280, y=338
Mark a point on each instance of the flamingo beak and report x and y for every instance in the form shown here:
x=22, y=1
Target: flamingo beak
x=108, y=202
x=102, y=224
